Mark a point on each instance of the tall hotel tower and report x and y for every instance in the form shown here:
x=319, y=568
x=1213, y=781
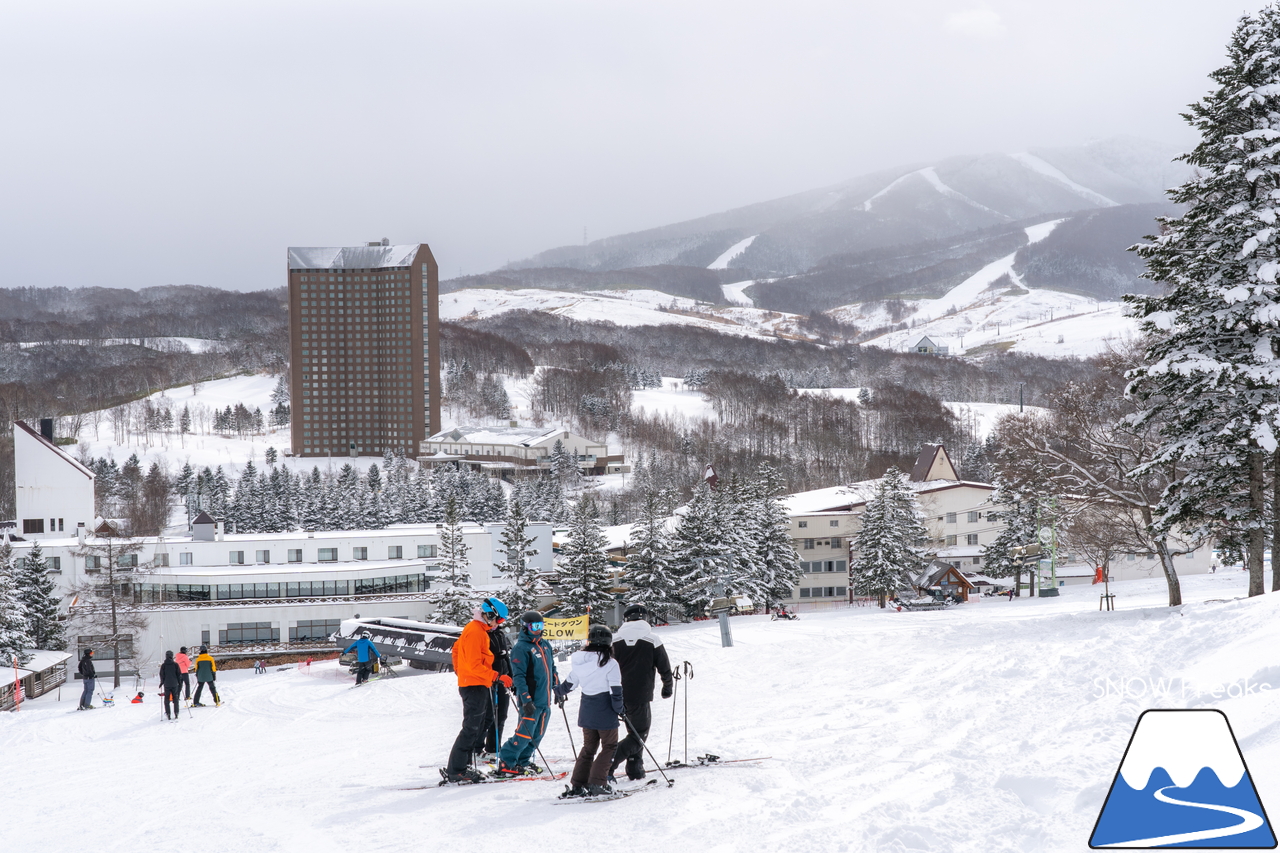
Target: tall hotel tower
x=364, y=341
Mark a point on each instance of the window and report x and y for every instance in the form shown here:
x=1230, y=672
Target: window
x=127, y=561
x=951, y=518
x=262, y=556
x=971, y=539
x=295, y=555
x=835, y=542
x=359, y=553
x=327, y=555
x=55, y=564
x=395, y=552
x=977, y=561
x=104, y=648
x=309, y=630
x=33, y=525
x=427, y=551
x=804, y=524
x=248, y=632
x=184, y=558
x=236, y=558
x=835, y=522
x=93, y=564
x=161, y=560
x=974, y=516
x=808, y=544
x=950, y=541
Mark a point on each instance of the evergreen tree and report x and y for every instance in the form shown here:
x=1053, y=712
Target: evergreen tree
x=38, y=594
x=312, y=507
x=649, y=575
x=583, y=571
x=698, y=550
x=1020, y=513
x=776, y=556
x=890, y=544
x=516, y=547
x=1213, y=359
x=184, y=420
x=15, y=630
x=457, y=601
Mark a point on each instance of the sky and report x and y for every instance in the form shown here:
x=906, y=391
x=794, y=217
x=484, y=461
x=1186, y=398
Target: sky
x=147, y=144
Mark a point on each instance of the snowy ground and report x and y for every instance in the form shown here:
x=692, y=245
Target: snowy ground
x=993, y=726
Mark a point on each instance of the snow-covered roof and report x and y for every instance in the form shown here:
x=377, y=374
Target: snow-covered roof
x=978, y=579
x=397, y=567
x=8, y=675
x=57, y=451
x=42, y=660
x=854, y=495
x=351, y=257
x=521, y=435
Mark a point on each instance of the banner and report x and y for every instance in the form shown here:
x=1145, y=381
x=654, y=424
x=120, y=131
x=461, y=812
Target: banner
x=565, y=629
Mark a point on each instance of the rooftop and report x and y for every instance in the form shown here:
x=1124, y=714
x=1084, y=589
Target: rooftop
x=351, y=257
x=522, y=435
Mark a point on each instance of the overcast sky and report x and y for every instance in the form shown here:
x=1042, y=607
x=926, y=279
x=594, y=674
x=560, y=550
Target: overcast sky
x=192, y=142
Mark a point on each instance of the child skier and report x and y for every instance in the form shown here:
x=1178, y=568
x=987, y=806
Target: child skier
x=533, y=666
x=597, y=673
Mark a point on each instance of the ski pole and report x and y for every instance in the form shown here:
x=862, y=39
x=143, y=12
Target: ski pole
x=545, y=763
x=636, y=732
x=493, y=698
x=688, y=674
x=671, y=738
x=565, y=714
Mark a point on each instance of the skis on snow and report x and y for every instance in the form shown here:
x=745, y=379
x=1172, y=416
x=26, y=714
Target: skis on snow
x=566, y=798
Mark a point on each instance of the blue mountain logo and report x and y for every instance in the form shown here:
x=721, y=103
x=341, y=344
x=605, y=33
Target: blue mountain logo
x=1183, y=783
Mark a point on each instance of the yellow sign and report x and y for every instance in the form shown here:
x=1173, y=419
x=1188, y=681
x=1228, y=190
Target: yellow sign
x=565, y=629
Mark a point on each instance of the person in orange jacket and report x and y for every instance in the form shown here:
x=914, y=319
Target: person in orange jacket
x=473, y=664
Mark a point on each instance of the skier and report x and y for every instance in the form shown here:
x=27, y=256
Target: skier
x=597, y=673
x=365, y=653
x=473, y=664
x=184, y=670
x=206, y=673
x=640, y=654
x=89, y=676
x=170, y=684
x=496, y=712
x=137, y=700
x=533, y=665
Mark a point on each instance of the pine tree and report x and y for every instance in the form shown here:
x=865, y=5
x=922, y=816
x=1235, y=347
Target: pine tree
x=1019, y=512
x=38, y=594
x=699, y=552
x=457, y=601
x=776, y=555
x=1213, y=362
x=583, y=571
x=515, y=548
x=649, y=575
x=312, y=508
x=14, y=628
x=890, y=543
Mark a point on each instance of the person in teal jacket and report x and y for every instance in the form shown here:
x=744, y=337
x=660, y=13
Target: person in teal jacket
x=534, y=679
x=365, y=651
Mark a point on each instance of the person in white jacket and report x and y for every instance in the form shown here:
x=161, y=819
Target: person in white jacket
x=597, y=673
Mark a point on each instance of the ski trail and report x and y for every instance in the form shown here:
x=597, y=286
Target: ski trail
x=1052, y=172
x=736, y=249
x=1249, y=821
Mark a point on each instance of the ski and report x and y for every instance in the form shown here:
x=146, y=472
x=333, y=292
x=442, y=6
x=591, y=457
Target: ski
x=488, y=780
x=710, y=760
x=618, y=794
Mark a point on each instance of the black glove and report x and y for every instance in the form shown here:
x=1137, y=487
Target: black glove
x=666, y=691
x=527, y=709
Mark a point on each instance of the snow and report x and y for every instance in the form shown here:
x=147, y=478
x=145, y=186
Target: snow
x=980, y=417
x=722, y=262
x=1039, y=166
x=734, y=293
x=991, y=726
x=164, y=344
x=931, y=175
x=866, y=205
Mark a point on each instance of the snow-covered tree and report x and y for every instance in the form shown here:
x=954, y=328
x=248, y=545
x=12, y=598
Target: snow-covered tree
x=649, y=574
x=38, y=594
x=1018, y=509
x=776, y=557
x=14, y=628
x=583, y=571
x=700, y=553
x=458, y=600
x=890, y=544
x=515, y=548
x=1213, y=362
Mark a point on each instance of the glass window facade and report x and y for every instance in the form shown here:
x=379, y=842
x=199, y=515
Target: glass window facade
x=154, y=593
x=248, y=632
x=307, y=630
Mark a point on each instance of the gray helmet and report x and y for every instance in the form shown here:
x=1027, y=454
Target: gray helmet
x=634, y=613
x=364, y=635
x=599, y=635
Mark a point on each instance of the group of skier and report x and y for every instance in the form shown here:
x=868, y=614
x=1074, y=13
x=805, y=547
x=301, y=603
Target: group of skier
x=615, y=674
x=175, y=679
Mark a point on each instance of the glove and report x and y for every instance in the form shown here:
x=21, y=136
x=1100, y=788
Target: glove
x=506, y=681
x=666, y=691
x=527, y=709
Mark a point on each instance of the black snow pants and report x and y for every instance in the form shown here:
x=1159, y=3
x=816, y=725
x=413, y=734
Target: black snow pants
x=474, y=701
x=631, y=749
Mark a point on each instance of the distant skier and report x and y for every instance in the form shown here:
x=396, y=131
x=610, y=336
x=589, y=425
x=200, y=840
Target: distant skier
x=170, y=684
x=137, y=700
x=473, y=664
x=206, y=673
x=640, y=654
x=496, y=712
x=533, y=666
x=597, y=673
x=366, y=652
x=89, y=676
x=184, y=668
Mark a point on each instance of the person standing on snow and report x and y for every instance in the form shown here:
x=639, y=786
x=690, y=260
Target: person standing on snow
x=89, y=676
x=597, y=673
x=365, y=653
x=640, y=654
x=473, y=664
x=184, y=671
x=170, y=684
x=533, y=666
x=496, y=714
x=206, y=673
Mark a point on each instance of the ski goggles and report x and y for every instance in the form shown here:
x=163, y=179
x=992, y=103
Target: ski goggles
x=535, y=627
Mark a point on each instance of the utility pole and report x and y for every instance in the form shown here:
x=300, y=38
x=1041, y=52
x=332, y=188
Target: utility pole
x=1020, y=384
x=720, y=605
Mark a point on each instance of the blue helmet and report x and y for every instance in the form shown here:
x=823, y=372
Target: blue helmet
x=494, y=605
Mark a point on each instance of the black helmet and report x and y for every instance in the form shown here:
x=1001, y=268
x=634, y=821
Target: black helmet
x=530, y=616
x=87, y=652
x=183, y=650
x=599, y=635
x=204, y=650
x=168, y=655
x=634, y=613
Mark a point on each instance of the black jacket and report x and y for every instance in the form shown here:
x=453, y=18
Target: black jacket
x=86, y=668
x=640, y=654
x=170, y=674
x=500, y=645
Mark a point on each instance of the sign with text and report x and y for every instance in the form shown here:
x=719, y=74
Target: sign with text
x=565, y=629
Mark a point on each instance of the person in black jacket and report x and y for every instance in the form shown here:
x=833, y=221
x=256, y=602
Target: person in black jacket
x=496, y=716
x=89, y=676
x=639, y=654
x=170, y=684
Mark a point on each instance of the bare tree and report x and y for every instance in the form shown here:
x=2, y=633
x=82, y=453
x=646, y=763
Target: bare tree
x=104, y=607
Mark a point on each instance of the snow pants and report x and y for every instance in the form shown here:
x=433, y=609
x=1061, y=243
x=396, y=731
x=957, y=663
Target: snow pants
x=529, y=731
x=592, y=769
x=474, y=700
x=496, y=719
x=200, y=686
x=184, y=681
x=631, y=749
x=86, y=696
x=362, y=671
x=171, y=699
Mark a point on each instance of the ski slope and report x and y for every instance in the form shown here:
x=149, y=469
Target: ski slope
x=992, y=726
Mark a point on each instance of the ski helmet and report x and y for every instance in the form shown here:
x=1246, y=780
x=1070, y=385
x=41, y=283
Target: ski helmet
x=599, y=635
x=364, y=635
x=204, y=650
x=183, y=650
x=634, y=613
x=494, y=605
x=530, y=618
x=167, y=656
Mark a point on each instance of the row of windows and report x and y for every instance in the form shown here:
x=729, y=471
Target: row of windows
x=823, y=591
x=156, y=593
x=52, y=564
x=834, y=522
x=314, y=629
x=836, y=542
x=970, y=517
x=323, y=555
x=104, y=648
x=969, y=539
x=248, y=632
x=824, y=566
x=36, y=525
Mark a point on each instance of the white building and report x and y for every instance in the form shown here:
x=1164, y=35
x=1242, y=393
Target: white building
x=518, y=448
x=54, y=491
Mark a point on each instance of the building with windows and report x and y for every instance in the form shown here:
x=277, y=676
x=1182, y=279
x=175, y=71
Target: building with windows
x=518, y=449
x=364, y=339
x=54, y=492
